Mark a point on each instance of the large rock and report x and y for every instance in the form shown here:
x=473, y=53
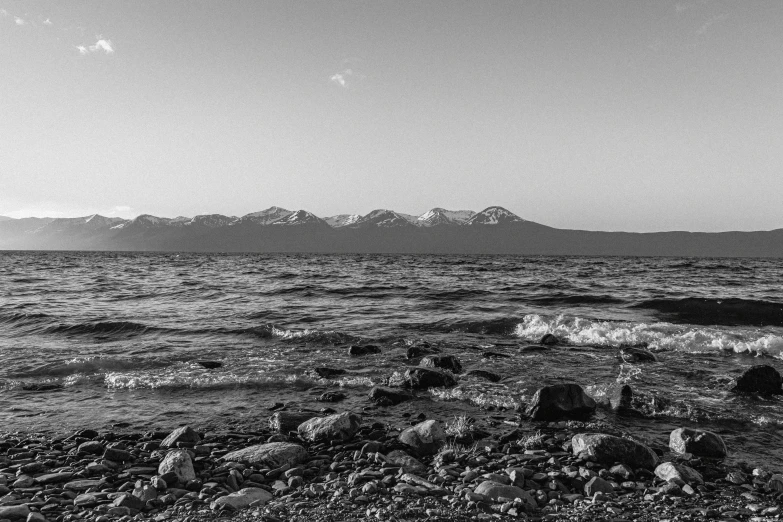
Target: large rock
x=698, y=442
x=185, y=434
x=561, y=401
x=446, y=362
x=637, y=354
x=179, y=463
x=19, y=512
x=421, y=378
x=608, y=450
x=272, y=454
x=337, y=427
x=406, y=462
x=678, y=473
x=497, y=491
x=243, y=498
x=287, y=421
x=762, y=379
x=424, y=438
x=366, y=349
x=549, y=340
x=383, y=396
x=54, y=478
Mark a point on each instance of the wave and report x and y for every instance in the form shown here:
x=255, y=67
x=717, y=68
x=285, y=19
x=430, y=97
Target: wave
x=204, y=381
x=92, y=365
x=707, y=311
x=19, y=318
x=112, y=328
x=499, y=326
x=658, y=336
x=572, y=299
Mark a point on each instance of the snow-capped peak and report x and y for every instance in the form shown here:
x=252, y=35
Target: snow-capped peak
x=268, y=216
x=300, y=217
x=494, y=216
x=342, y=220
x=211, y=220
x=441, y=216
x=382, y=218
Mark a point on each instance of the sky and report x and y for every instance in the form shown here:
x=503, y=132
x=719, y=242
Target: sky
x=601, y=115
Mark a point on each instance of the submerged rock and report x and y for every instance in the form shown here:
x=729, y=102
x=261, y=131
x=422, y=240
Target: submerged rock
x=634, y=354
x=446, y=362
x=338, y=427
x=366, y=349
x=383, y=396
x=608, y=449
x=549, y=340
x=210, y=365
x=424, y=438
x=331, y=397
x=560, y=401
x=698, y=442
x=533, y=348
x=272, y=454
x=421, y=378
x=762, y=379
x=328, y=373
x=414, y=352
x=484, y=374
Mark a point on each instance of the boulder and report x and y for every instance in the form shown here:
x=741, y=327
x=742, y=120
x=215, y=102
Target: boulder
x=179, y=463
x=446, y=362
x=287, y=421
x=272, y=454
x=406, y=462
x=497, y=491
x=421, y=378
x=383, y=396
x=328, y=373
x=184, y=434
x=484, y=374
x=560, y=401
x=608, y=450
x=243, y=498
x=337, y=427
x=698, y=442
x=331, y=397
x=678, y=473
x=19, y=512
x=210, y=365
x=92, y=447
x=425, y=438
x=635, y=354
x=762, y=379
x=365, y=349
x=549, y=340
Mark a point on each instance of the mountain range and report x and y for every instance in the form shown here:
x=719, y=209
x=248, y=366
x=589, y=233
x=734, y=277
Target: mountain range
x=494, y=230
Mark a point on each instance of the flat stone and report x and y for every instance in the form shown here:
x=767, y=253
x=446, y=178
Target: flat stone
x=54, y=478
x=272, y=454
x=609, y=450
x=85, y=484
x=243, y=499
x=19, y=512
x=184, y=434
x=338, y=427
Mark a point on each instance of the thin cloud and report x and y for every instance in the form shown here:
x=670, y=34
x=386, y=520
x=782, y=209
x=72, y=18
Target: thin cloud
x=712, y=21
x=4, y=13
x=100, y=46
x=19, y=21
x=47, y=22
x=347, y=78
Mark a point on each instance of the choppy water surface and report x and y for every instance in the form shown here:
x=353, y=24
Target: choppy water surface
x=104, y=339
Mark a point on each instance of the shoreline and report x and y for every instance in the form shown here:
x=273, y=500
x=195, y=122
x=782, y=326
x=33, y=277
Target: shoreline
x=340, y=468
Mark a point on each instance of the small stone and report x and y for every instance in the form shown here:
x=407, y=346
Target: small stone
x=184, y=434
x=596, y=485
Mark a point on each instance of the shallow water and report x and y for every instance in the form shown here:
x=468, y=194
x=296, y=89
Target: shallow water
x=112, y=339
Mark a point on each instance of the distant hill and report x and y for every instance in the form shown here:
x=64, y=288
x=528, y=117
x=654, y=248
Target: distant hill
x=494, y=230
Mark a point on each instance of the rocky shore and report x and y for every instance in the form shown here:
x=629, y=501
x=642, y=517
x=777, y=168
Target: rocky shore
x=334, y=466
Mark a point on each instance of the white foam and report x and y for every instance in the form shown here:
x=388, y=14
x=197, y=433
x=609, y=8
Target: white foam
x=659, y=336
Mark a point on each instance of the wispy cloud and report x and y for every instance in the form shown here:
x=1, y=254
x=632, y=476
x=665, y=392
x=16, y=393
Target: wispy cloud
x=47, y=22
x=347, y=78
x=710, y=22
x=119, y=210
x=101, y=45
x=19, y=21
x=4, y=13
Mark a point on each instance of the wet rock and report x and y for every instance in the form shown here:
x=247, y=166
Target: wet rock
x=608, y=449
x=41, y=386
x=331, y=397
x=328, y=373
x=243, y=498
x=184, y=434
x=338, y=427
x=619, y=399
x=560, y=401
x=549, y=340
x=635, y=354
x=389, y=397
x=421, y=378
x=179, y=463
x=117, y=455
x=762, y=379
x=484, y=374
x=530, y=348
x=92, y=447
x=272, y=454
x=698, y=442
x=446, y=362
x=287, y=421
x=210, y=365
x=19, y=512
x=424, y=438
x=678, y=473
x=407, y=463
x=498, y=491
x=366, y=349
x=414, y=352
